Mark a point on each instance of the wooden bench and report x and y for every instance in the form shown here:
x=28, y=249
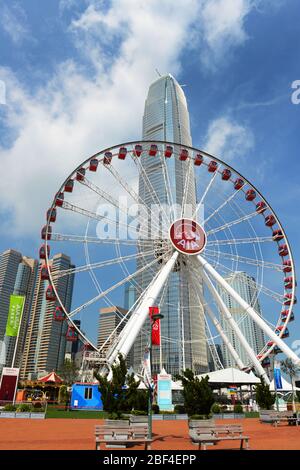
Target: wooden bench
x=110, y=435
x=217, y=433
x=275, y=417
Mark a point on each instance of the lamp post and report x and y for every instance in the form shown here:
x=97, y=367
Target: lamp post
x=153, y=319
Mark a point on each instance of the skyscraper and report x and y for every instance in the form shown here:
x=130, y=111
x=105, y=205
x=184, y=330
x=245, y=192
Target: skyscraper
x=247, y=289
x=17, y=276
x=46, y=339
x=166, y=117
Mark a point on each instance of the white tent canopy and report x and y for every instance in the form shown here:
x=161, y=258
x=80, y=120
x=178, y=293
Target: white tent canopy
x=286, y=386
x=231, y=376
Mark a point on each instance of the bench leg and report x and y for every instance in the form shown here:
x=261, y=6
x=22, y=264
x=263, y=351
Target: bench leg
x=98, y=446
x=242, y=443
x=147, y=446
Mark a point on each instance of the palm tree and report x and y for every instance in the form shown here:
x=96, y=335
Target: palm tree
x=292, y=370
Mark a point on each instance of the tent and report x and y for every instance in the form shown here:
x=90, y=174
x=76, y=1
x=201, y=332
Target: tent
x=286, y=386
x=52, y=378
x=224, y=377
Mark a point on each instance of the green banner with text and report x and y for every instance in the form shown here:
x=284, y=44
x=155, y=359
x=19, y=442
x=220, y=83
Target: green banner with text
x=15, y=313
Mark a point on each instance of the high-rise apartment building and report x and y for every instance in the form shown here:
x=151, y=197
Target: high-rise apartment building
x=110, y=320
x=17, y=276
x=166, y=117
x=246, y=287
x=45, y=343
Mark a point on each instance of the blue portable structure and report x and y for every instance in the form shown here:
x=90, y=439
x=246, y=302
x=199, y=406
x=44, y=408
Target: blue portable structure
x=86, y=396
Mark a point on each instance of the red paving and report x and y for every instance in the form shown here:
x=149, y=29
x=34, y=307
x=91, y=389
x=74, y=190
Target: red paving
x=78, y=434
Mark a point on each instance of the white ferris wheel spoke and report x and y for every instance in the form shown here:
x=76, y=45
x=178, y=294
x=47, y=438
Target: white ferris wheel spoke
x=60, y=237
x=244, y=259
x=259, y=286
x=100, y=264
x=240, y=241
x=250, y=310
x=221, y=207
x=211, y=181
x=93, y=215
x=233, y=222
x=110, y=289
x=106, y=196
x=151, y=190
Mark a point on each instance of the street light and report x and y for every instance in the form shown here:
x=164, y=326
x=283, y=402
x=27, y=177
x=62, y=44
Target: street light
x=154, y=318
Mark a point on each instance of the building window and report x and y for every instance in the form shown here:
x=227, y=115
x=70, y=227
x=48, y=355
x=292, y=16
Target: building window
x=88, y=393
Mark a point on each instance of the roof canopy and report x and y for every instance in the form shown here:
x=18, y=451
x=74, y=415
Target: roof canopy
x=286, y=386
x=51, y=378
x=231, y=376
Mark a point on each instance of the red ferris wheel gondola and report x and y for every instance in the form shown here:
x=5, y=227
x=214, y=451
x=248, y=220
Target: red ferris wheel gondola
x=168, y=151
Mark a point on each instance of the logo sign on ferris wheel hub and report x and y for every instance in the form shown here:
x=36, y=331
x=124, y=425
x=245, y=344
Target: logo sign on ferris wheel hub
x=187, y=236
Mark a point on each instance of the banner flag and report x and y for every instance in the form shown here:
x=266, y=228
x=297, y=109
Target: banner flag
x=277, y=376
x=156, y=333
x=155, y=327
x=147, y=368
x=15, y=313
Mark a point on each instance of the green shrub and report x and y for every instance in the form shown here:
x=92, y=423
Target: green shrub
x=238, y=408
x=10, y=407
x=155, y=409
x=24, y=408
x=139, y=413
x=200, y=416
x=180, y=409
x=117, y=416
x=216, y=409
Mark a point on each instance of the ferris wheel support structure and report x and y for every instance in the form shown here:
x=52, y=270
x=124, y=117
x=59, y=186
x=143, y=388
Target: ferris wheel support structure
x=247, y=308
x=227, y=315
x=139, y=315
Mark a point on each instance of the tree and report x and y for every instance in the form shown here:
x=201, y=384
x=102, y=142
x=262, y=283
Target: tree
x=69, y=372
x=63, y=395
x=264, y=398
x=289, y=368
x=197, y=394
x=121, y=393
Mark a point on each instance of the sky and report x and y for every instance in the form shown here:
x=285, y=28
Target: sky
x=74, y=75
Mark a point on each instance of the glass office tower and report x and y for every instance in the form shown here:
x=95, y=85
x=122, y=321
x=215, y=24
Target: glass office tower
x=166, y=117
x=247, y=288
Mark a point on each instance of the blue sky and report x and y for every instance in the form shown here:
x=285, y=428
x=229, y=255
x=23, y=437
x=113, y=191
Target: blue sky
x=70, y=67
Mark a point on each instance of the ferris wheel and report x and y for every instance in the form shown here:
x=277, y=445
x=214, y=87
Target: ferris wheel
x=123, y=221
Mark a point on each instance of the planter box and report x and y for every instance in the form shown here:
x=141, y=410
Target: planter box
x=7, y=414
x=23, y=415
x=37, y=415
x=229, y=416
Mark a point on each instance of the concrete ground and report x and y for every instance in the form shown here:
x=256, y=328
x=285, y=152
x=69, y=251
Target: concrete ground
x=68, y=434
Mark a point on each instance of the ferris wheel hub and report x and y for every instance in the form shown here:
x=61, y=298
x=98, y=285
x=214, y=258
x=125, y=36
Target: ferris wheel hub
x=187, y=236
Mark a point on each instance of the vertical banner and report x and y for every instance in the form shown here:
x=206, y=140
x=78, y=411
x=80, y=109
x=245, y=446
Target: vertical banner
x=156, y=333
x=155, y=327
x=277, y=376
x=147, y=368
x=15, y=313
x=164, y=391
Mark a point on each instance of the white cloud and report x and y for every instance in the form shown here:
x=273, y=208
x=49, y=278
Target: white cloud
x=222, y=29
x=14, y=22
x=77, y=112
x=228, y=140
